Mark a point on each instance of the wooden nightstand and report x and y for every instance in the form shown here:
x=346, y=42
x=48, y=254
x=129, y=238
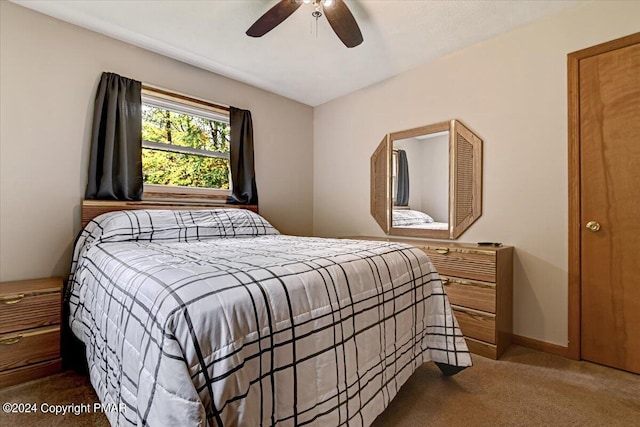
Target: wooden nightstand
x=30, y=313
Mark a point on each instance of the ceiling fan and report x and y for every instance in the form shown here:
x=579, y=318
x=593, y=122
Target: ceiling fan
x=336, y=11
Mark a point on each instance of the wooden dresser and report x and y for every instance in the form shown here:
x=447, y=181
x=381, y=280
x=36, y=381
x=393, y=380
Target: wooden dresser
x=30, y=313
x=479, y=283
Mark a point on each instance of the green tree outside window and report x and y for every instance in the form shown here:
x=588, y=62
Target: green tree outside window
x=178, y=129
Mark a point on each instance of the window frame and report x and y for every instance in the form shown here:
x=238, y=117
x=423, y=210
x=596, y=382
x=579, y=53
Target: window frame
x=180, y=103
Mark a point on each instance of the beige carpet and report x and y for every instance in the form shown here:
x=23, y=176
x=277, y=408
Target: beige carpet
x=524, y=388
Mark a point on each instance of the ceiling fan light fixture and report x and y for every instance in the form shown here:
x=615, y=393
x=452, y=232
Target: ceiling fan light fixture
x=325, y=3
x=339, y=16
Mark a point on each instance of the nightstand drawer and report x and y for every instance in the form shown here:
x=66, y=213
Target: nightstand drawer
x=24, y=348
x=470, y=293
x=476, y=324
x=465, y=263
x=30, y=372
x=27, y=304
x=29, y=310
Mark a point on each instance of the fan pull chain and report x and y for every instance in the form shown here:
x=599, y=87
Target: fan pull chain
x=317, y=14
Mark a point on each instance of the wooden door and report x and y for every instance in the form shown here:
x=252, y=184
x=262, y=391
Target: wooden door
x=609, y=174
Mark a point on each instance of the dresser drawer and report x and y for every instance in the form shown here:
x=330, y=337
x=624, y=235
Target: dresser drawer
x=482, y=348
x=29, y=310
x=470, y=293
x=24, y=348
x=472, y=264
x=476, y=324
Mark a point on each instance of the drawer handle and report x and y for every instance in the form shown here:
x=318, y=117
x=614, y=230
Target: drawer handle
x=442, y=251
x=12, y=299
x=11, y=340
x=470, y=283
x=444, y=280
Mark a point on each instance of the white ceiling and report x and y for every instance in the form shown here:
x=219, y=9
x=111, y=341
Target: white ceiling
x=290, y=60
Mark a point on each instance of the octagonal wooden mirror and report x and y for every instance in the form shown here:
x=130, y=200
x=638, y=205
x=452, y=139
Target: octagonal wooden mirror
x=427, y=181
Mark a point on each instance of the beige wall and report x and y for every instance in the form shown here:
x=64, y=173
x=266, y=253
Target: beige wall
x=512, y=92
x=49, y=73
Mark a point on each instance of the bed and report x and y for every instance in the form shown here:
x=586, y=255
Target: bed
x=213, y=317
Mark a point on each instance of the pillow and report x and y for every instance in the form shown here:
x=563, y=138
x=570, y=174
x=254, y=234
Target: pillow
x=169, y=226
x=408, y=217
x=173, y=226
x=177, y=225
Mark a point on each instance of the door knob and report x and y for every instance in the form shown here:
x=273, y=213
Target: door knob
x=593, y=226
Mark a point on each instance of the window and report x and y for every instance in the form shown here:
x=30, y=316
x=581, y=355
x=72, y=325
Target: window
x=185, y=147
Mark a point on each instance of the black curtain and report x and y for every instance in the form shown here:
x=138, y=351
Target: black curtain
x=402, y=196
x=243, y=174
x=115, y=163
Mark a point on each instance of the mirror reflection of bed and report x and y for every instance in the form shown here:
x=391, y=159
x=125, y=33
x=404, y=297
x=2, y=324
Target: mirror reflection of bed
x=420, y=182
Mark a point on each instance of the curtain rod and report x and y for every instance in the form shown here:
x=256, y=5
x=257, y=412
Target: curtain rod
x=184, y=97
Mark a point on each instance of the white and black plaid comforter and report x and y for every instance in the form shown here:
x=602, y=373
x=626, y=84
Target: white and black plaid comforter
x=185, y=327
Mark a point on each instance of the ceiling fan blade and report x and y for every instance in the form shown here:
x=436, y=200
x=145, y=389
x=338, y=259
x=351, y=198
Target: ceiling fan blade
x=343, y=23
x=273, y=17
